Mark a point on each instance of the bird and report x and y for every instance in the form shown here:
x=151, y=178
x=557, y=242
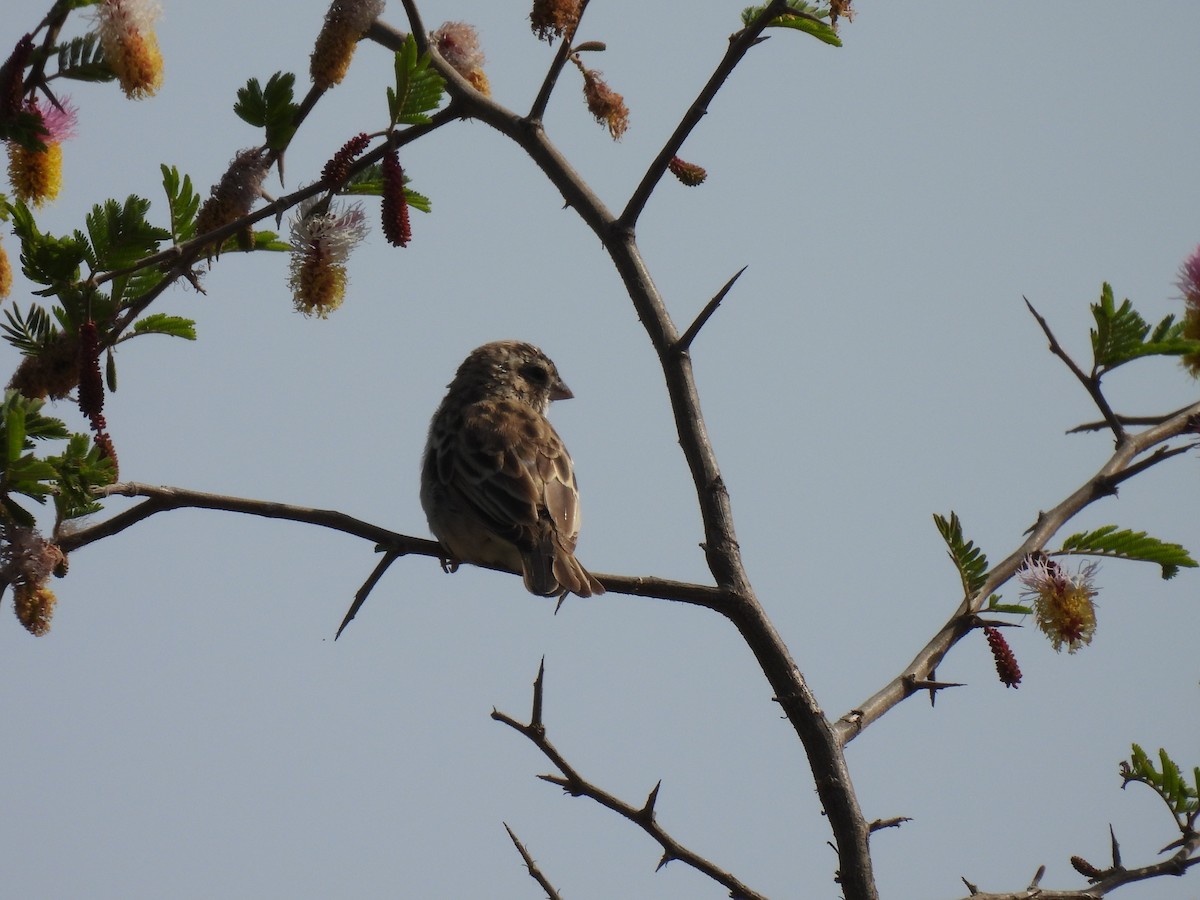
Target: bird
x=497, y=483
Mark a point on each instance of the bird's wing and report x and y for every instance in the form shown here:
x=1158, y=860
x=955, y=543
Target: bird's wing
x=509, y=464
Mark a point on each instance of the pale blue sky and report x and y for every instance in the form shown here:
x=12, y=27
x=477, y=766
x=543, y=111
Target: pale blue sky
x=190, y=730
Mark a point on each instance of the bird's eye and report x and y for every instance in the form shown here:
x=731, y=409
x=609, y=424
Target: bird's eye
x=535, y=374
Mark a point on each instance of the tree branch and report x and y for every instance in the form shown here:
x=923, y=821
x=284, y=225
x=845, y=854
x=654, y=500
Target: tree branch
x=854, y=722
x=643, y=816
x=740, y=606
x=538, y=109
x=1091, y=383
x=739, y=45
x=534, y=872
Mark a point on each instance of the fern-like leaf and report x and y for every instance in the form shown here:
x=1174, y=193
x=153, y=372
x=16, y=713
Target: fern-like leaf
x=369, y=182
x=1166, y=781
x=1122, y=335
x=418, y=88
x=183, y=203
x=1126, y=544
x=161, y=323
x=29, y=332
x=970, y=561
x=271, y=108
x=83, y=59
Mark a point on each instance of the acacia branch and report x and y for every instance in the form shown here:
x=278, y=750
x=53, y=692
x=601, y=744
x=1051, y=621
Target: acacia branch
x=534, y=872
x=739, y=44
x=1177, y=865
x=538, y=109
x=1119, y=467
x=160, y=499
x=643, y=816
x=740, y=606
x=1091, y=383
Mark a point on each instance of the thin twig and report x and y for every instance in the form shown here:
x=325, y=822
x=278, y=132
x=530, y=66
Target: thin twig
x=1091, y=383
x=363, y=592
x=1125, y=420
x=538, y=109
x=643, y=816
x=534, y=872
x=959, y=624
x=685, y=342
x=739, y=45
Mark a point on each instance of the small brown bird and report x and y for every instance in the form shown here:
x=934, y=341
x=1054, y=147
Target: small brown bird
x=497, y=484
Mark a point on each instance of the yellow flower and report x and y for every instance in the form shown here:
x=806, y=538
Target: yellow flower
x=6, y=276
x=345, y=23
x=36, y=173
x=126, y=30
x=1062, y=603
x=321, y=244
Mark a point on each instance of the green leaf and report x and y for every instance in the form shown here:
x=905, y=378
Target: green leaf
x=83, y=59
x=30, y=333
x=1121, y=334
x=78, y=471
x=418, y=88
x=271, y=108
x=805, y=17
x=46, y=259
x=1167, y=781
x=120, y=235
x=160, y=323
x=970, y=561
x=183, y=203
x=1125, y=544
x=1017, y=609
x=369, y=182
x=14, y=433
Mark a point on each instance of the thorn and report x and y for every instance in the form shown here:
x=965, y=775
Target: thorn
x=1037, y=877
x=684, y=343
x=647, y=811
x=666, y=858
x=894, y=822
x=363, y=592
x=1116, y=847
x=535, y=718
x=972, y=889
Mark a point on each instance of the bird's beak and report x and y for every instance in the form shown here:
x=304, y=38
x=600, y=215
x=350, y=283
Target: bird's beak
x=561, y=392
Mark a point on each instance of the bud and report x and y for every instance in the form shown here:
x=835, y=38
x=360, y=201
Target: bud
x=688, y=173
x=394, y=210
x=1006, y=662
x=337, y=170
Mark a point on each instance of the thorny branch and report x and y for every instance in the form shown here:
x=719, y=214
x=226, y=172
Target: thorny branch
x=643, y=816
x=163, y=499
x=1120, y=465
x=534, y=872
x=741, y=606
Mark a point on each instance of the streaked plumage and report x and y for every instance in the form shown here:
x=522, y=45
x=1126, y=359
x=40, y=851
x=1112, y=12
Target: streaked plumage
x=497, y=483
